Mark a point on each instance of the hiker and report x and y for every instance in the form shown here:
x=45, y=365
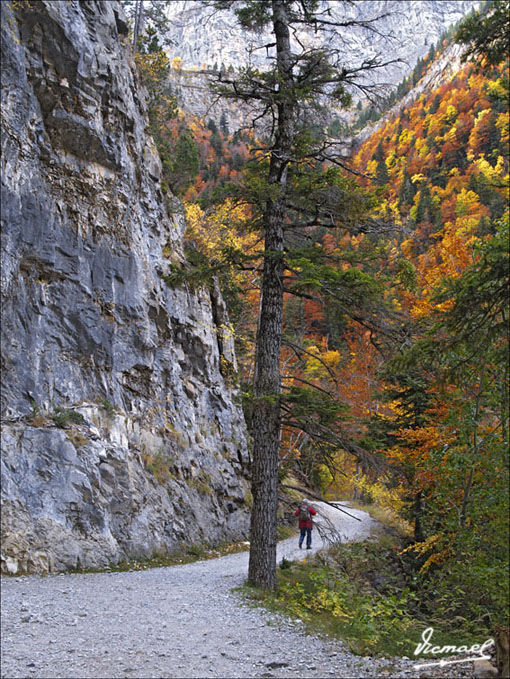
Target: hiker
x=305, y=513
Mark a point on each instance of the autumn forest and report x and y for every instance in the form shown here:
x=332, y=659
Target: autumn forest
x=394, y=348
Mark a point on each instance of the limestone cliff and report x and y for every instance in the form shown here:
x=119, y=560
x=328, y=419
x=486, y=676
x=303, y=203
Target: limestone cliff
x=206, y=38
x=121, y=431
x=203, y=36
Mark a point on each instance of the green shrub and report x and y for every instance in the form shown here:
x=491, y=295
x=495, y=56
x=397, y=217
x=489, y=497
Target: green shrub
x=107, y=405
x=62, y=417
x=368, y=595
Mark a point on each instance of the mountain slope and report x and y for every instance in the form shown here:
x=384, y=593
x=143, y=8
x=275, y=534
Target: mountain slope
x=204, y=39
x=202, y=36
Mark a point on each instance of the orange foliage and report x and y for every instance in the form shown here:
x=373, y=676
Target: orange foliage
x=443, y=139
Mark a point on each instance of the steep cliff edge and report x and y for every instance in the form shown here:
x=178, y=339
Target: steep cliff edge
x=121, y=437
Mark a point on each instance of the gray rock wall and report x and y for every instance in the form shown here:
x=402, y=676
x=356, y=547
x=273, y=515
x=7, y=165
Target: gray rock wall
x=150, y=451
x=405, y=31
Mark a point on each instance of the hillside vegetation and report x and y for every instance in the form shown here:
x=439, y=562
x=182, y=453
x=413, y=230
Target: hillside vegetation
x=395, y=356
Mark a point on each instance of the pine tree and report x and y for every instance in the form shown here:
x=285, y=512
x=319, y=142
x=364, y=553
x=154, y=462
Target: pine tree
x=288, y=193
x=382, y=175
x=486, y=33
x=407, y=191
x=224, y=124
x=181, y=170
x=424, y=212
x=146, y=13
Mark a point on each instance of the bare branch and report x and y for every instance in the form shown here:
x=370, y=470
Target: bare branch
x=310, y=384
x=320, y=498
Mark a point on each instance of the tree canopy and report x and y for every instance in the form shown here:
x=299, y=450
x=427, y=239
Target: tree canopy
x=291, y=191
x=486, y=33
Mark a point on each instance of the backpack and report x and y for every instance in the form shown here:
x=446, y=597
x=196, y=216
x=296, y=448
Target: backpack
x=304, y=514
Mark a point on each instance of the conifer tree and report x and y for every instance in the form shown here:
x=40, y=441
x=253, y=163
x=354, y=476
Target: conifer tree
x=485, y=33
x=146, y=13
x=290, y=98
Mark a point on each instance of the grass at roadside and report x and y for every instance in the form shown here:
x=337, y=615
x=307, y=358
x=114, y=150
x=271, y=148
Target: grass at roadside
x=360, y=593
x=285, y=532
x=386, y=516
x=188, y=554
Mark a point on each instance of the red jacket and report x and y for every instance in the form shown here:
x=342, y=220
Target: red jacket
x=306, y=523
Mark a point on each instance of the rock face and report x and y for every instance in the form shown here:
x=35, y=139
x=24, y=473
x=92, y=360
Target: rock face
x=205, y=38
x=121, y=431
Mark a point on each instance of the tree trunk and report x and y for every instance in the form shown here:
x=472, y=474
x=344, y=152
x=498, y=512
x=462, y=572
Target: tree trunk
x=356, y=495
x=502, y=640
x=417, y=512
x=139, y=22
x=266, y=406
x=266, y=419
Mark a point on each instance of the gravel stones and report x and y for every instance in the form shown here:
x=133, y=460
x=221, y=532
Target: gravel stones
x=183, y=621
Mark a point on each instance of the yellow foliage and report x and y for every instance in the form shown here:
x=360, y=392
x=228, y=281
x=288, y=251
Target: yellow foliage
x=406, y=136
x=496, y=173
x=425, y=546
x=372, y=167
x=382, y=495
x=424, y=150
x=391, y=160
x=318, y=367
x=406, y=248
x=329, y=600
x=153, y=70
x=466, y=200
x=450, y=135
x=451, y=112
x=481, y=115
x=430, y=544
x=436, y=558
x=177, y=63
x=395, y=212
x=218, y=229
x=496, y=87
x=416, y=178
x=421, y=309
x=503, y=125
x=325, y=477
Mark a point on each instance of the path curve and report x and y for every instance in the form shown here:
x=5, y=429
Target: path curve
x=180, y=621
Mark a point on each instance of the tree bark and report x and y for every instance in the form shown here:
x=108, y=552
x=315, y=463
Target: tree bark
x=417, y=514
x=139, y=22
x=266, y=406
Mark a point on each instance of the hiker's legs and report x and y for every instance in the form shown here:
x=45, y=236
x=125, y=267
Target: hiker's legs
x=308, y=537
x=302, y=536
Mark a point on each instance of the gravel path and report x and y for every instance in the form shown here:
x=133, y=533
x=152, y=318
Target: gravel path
x=180, y=621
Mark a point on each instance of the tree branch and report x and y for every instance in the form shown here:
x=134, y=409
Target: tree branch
x=320, y=498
